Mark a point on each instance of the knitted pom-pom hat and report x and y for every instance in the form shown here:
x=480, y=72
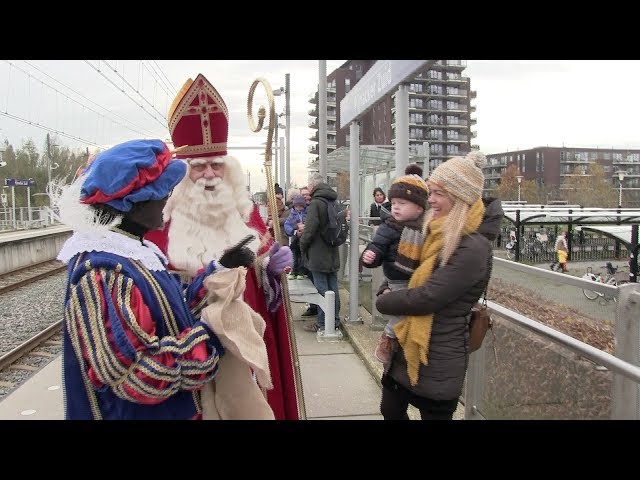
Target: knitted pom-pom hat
x=462, y=177
x=410, y=186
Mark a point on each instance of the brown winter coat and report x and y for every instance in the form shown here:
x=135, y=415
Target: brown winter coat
x=449, y=294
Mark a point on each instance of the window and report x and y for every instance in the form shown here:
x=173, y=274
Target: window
x=358, y=71
x=347, y=85
x=416, y=133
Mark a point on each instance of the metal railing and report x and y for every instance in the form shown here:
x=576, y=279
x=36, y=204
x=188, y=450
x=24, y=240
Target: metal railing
x=527, y=369
x=538, y=372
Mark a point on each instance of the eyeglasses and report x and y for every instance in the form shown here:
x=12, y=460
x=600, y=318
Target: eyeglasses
x=201, y=167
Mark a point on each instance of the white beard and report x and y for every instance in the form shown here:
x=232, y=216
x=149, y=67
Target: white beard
x=203, y=224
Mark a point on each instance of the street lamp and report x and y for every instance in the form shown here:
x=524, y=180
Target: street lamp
x=286, y=91
x=278, y=151
x=50, y=166
x=621, y=174
x=519, y=178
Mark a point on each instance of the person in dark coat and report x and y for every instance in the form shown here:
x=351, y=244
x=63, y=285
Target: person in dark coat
x=322, y=260
x=379, y=200
x=430, y=354
x=408, y=197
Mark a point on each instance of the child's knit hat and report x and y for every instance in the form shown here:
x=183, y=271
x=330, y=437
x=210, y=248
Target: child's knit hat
x=411, y=186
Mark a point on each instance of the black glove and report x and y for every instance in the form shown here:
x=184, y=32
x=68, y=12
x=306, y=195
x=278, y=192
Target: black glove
x=238, y=255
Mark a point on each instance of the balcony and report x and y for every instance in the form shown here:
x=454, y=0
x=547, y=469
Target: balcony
x=314, y=137
x=313, y=98
x=313, y=149
x=455, y=64
x=626, y=161
x=492, y=175
x=313, y=112
x=473, y=94
x=458, y=138
x=457, y=108
x=628, y=173
x=313, y=123
x=460, y=93
x=495, y=162
x=457, y=123
x=574, y=159
x=453, y=78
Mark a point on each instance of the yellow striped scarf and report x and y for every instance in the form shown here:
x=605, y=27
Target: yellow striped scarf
x=414, y=332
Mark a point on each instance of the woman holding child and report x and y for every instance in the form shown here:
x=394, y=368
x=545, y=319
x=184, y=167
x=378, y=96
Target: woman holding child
x=430, y=352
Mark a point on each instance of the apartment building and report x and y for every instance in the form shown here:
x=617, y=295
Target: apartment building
x=439, y=112
x=549, y=167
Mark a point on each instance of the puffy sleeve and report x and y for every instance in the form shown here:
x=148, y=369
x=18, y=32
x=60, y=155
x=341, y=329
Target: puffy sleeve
x=311, y=225
x=115, y=331
x=382, y=240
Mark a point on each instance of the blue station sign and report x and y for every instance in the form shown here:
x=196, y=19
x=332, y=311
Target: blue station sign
x=19, y=182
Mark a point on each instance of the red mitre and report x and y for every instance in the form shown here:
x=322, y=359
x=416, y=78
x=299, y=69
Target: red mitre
x=199, y=120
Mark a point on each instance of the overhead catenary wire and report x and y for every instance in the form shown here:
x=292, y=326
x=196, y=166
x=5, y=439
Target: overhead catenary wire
x=169, y=89
x=164, y=126
x=125, y=81
x=49, y=129
x=165, y=76
x=137, y=129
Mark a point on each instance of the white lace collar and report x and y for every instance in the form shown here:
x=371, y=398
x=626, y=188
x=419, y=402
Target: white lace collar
x=112, y=242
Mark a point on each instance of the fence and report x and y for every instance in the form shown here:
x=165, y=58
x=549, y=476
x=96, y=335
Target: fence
x=538, y=246
x=24, y=218
x=583, y=366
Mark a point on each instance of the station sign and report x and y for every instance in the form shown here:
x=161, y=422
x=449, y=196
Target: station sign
x=19, y=182
x=381, y=78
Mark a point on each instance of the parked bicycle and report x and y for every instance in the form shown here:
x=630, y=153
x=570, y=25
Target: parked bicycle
x=532, y=248
x=610, y=279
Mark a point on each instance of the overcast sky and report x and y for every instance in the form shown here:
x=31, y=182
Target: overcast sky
x=520, y=104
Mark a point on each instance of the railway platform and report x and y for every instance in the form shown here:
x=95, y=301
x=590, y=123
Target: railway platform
x=337, y=381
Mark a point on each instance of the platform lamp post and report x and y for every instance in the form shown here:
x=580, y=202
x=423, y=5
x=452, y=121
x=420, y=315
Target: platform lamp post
x=285, y=173
x=519, y=178
x=621, y=174
x=279, y=167
x=50, y=165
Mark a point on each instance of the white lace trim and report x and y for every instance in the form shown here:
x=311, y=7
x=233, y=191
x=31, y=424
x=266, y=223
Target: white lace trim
x=112, y=242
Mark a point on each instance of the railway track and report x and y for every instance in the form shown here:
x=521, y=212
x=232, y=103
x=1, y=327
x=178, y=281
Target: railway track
x=24, y=276
x=20, y=363
x=27, y=358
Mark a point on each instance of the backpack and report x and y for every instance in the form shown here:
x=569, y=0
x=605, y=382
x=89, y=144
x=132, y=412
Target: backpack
x=336, y=230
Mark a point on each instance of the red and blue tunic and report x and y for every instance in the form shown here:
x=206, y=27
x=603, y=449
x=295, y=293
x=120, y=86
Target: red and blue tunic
x=132, y=348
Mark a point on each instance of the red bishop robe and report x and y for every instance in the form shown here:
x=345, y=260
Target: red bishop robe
x=282, y=397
